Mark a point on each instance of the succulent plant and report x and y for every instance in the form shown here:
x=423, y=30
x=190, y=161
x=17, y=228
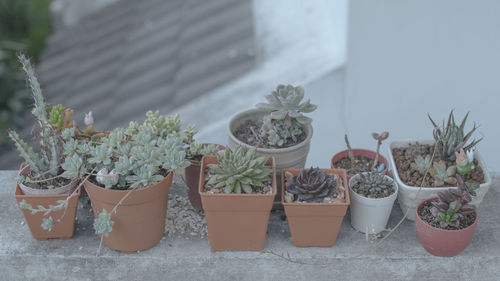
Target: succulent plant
x=379, y=138
x=464, y=164
x=197, y=149
x=421, y=164
x=443, y=175
x=314, y=185
x=452, y=138
x=453, y=204
x=285, y=119
x=373, y=185
x=239, y=170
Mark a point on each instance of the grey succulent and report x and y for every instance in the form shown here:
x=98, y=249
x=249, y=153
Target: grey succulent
x=373, y=185
x=441, y=174
x=314, y=185
x=421, y=164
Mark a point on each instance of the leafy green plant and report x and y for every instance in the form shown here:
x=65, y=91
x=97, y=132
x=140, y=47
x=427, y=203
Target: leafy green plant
x=238, y=171
x=451, y=138
x=285, y=119
x=313, y=185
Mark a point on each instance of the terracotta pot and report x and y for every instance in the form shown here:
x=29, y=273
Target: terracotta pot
x=236, y=221
x=139, y=220
x=360, y=152
x=192, y=179
x=65, y=189
x=440, y=242
x=410, y=196
x=315, y=224
x=289, y=157
x=370, y=215
x=62, y=229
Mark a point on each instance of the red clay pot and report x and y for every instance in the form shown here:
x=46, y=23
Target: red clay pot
x=440, y=242
x=139, y=220
x=315, y=224
x=236, y=221
x=63, y=229
x=359, y=152
x=192, y=174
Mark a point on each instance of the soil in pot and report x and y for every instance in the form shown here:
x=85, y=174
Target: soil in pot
x=405, y=156
x=249, y=133
x=377, y=192
x=424, y=212
x=361, y=164
x=51, y=183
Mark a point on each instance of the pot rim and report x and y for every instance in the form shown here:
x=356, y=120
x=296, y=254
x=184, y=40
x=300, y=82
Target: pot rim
x=340, y=172
x=241, y=115
x=359, y=196
x=417, y=217
x=24, y=168
x=124, y=191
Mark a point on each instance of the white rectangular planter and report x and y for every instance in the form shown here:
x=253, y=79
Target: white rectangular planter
x=407, y=196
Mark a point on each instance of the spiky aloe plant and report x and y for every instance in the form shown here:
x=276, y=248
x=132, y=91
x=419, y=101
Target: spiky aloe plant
x=285, y=119
x=239, y=170
x=313, y=185
x=451, y=138
x=453, y=204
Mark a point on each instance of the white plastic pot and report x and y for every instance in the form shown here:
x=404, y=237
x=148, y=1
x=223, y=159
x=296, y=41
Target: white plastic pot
x=411, y=196
x=370, y=215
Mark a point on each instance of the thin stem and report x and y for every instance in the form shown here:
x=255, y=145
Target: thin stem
x=349, y=149
x=375, y=161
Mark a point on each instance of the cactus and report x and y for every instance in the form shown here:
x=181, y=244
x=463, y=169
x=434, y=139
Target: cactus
x=451, y=139
x=421, y=164
x=314, y=185
x=443, y=175
x=238, y=171
x=453, y=204
x=373, y=185
x=285, y=119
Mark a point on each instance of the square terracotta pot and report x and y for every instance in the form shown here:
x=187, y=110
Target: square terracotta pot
x=63, y=229
x=315, y=224
x=236, y=221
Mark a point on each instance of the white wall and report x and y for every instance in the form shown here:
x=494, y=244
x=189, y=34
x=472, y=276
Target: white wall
x=407, y=58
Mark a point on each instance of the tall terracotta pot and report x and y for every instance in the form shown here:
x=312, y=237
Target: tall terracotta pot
x=441, y=242
x=315, y=224
x=360, y=152
x=192, y=179
x=139, y=220
x=236, y=221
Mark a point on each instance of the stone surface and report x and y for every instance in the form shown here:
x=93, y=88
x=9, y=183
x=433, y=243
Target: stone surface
x=182, y=257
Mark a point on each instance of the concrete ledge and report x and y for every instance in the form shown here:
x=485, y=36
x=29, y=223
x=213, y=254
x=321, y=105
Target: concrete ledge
x=186, y=258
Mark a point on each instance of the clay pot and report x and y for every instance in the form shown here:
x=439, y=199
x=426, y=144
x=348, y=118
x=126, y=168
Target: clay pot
x=289, y=157
x=139, y=220
x=360, y=152
x=370, y=215
x=236, y=221
x=440, y=242
x=315, y=224
x=62, y=229
x=192, y=179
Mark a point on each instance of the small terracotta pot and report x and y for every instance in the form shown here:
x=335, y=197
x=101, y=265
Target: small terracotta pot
x=62, y=229
x=236, y=221
x=192, y=174
x=440, y=242
x=139, y=220
x=359, y=152
x=315, y=224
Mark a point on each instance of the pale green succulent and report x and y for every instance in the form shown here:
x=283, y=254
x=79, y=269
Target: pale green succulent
x=238, y=170
x=421, y=164
x=443, y=175
x=197, y=149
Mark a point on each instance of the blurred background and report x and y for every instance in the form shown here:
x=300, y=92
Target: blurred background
x=371, y=66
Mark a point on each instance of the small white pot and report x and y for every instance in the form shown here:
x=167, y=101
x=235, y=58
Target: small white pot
x=411, y=196
x=370, y=215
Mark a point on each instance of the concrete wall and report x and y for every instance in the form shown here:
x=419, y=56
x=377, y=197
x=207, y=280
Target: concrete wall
x=409, y=58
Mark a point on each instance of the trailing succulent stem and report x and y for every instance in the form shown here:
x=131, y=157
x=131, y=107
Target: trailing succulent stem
x=313, y=186
x=451, y=138
x=239, y=170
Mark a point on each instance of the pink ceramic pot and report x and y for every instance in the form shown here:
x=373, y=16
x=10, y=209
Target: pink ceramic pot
x=440, y=242
x=359, y=152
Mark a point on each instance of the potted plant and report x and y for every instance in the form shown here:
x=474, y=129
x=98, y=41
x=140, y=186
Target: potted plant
x=356, y=161
x=194, y=152
x=446, y=224
x=46, y=194
x=277, y=128
x=237, y=190
x=315, y=202
x=129, y=176
x=424, y=168
x=372, y=197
